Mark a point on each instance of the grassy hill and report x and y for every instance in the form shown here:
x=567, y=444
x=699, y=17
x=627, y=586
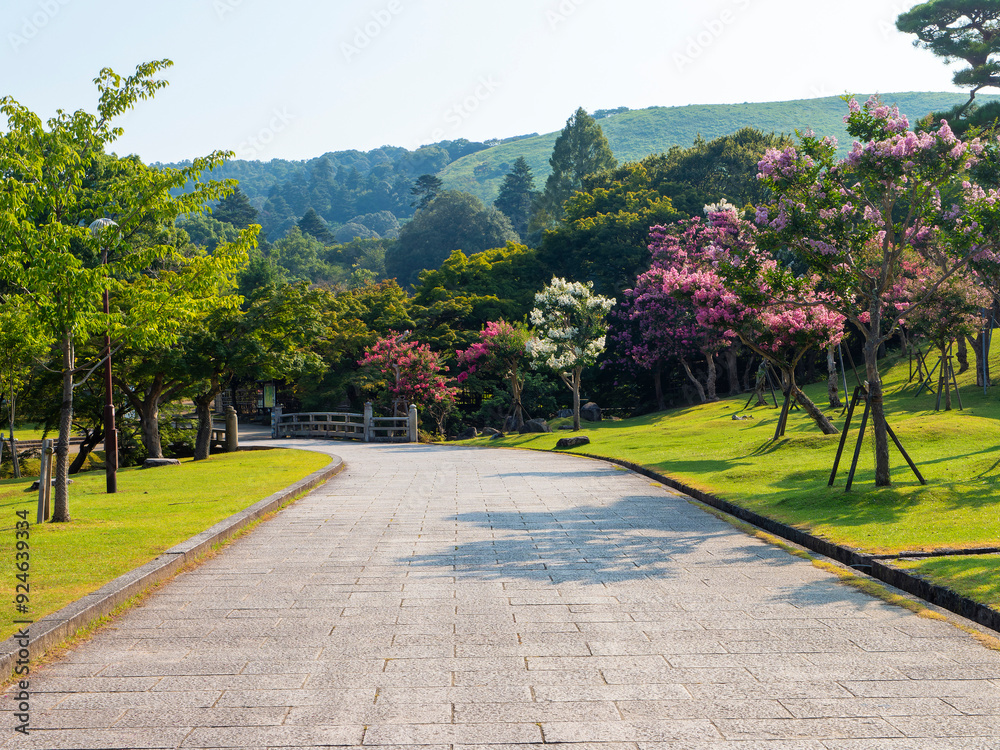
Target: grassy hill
x=638, y=133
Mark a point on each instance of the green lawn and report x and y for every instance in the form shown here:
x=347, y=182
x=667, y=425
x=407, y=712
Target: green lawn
x=152, y=511
x=958, y=453
x=25, y=432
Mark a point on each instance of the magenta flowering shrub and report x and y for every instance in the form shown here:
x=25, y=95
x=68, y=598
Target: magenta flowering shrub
x=500, y=350
x=408, y=372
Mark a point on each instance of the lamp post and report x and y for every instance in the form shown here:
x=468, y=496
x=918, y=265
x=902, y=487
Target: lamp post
x=110, y=433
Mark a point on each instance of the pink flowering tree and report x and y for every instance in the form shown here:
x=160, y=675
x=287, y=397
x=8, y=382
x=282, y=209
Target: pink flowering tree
x=501, y=351
x=407, y=372
x=694, y=259
x=952, y=311
x=664, y=304
x=852, y=222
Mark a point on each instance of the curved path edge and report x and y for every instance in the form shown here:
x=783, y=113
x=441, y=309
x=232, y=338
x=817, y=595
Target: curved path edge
x=859, y=560
x=55, y=628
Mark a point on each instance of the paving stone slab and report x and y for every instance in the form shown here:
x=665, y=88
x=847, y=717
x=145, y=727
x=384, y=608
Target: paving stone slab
x=444, y=597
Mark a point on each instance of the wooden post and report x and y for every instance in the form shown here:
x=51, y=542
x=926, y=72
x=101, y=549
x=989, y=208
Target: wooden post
x=369, y=422
x=13, y=454
x=44, y=482
x=413, y=423
x=843, y=435
x=779, y=431
x=861, y=438
x=232, y=431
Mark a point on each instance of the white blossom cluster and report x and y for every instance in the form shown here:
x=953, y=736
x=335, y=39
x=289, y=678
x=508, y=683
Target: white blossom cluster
x=721, y=207
x=569, y=325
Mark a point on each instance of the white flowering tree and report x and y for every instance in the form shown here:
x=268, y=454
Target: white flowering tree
x=569, y=321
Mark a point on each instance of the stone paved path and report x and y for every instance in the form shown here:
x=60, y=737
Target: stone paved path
x=452, y=598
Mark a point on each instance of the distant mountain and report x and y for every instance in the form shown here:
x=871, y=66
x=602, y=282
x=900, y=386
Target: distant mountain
x=638, y=133
x=344, y=186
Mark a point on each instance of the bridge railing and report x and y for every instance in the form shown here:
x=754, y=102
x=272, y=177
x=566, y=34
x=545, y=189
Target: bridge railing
x=345, y=426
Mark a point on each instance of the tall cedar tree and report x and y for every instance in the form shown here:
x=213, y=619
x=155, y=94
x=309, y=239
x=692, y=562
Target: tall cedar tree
x=311, y=224
x=236, y=209
x=516, y=196
x=581, y=149
x=425, y=189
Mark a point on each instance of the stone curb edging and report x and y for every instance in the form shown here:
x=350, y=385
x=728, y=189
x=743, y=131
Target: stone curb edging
x=857, y=559
x=58, y=626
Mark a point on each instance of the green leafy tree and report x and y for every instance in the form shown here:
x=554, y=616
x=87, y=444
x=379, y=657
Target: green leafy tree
x=569, y=332
x=270, y=337
x=207, y=231
x=517, y=195
x=604, y=237
x=453, y=221
x=354, y=320
x=580, y=150
x=450, y=303
x=57, y=180
x=21, y=348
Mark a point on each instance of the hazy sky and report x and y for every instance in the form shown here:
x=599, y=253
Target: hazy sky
x=298, y=78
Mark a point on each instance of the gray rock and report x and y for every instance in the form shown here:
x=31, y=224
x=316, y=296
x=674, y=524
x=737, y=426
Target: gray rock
x=590, y=412
x=153, y=463
x=564, y=413
x=535, y=425
x=468, y=433
x=573, y=442
x=497, y=436
x=491, y=431
x=565, y=427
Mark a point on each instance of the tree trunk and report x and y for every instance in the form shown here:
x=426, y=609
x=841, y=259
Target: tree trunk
x=731, y=355
x=515, y=395
x=60, y=501
x=661, y=405
x=883, y=477
x=693, y=379
x=203, y=440
x=95, y=438
x=710, y=392
x=962, y=355
x=577, y=375
x=147, y=408
x=982, y=363
x=821, y=420
x=832, y=379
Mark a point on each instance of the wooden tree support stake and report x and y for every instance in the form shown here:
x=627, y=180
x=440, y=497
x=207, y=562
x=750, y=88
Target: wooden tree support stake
x=860, y=391
x=779, y=431
x=843, y=435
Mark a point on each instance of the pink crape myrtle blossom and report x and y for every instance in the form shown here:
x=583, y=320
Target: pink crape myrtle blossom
x=408, y=372
x=852, y=222
x=685, y=304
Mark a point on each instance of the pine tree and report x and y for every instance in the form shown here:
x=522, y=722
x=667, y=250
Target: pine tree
x=516, y=196
x=236, y=209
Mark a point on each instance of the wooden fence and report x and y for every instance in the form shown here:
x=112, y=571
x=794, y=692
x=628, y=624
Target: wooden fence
x=345, y=426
